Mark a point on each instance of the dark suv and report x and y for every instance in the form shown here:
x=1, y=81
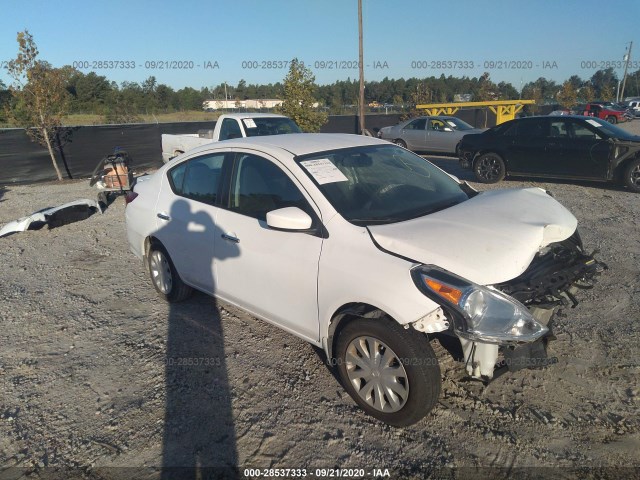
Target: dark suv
x=569, y=146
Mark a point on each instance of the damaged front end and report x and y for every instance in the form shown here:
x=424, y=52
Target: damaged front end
x=506, y=327
x=555, y=274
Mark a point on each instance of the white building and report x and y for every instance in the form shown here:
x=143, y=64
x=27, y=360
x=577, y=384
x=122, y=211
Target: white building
x=242, y=104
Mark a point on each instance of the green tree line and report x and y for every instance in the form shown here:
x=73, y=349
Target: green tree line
x=91, y=93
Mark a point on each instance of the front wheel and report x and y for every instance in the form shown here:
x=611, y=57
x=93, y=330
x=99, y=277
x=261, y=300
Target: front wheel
x=489, y=168
x=632, y=175
x=612, y=119
x=392, y=373
x=164, y=276
x=400, y=142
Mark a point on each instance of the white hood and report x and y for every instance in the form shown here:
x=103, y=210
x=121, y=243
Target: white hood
x=488, y=239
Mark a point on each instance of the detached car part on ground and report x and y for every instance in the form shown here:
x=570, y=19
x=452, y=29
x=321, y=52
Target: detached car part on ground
x=53, y=216
x=362, y=248
x=572, y=147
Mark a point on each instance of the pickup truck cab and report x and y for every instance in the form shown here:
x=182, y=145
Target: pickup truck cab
x=228, y=126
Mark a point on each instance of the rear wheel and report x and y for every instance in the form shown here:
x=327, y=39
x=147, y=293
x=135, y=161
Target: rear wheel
x=612, y=119
x=392, y=373
x=400, y=142
x=164, y=276
x=632, y=175
x=489, y=168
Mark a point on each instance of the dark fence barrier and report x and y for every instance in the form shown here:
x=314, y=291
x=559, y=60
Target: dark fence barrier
x=23, y=161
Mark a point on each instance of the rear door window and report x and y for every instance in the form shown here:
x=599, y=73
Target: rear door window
x=198, y=178
x=418, y=124
x=534, y=128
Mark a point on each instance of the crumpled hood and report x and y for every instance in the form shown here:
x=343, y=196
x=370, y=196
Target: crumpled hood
x=488, y=239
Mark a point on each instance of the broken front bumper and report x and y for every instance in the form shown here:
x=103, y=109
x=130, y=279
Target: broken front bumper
x=552, y=280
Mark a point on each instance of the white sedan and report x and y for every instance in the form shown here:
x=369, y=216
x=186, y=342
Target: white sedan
x=366, y=250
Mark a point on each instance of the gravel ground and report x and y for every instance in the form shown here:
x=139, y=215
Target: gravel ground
x=101, y=379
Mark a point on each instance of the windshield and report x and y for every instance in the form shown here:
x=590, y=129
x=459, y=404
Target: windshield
x=261, y=126
x=458, y=124
x=381, y=184
x=611, y=130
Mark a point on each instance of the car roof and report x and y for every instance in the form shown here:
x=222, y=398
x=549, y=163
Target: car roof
x=297, y=143
x=253, y=115
x=556, y=117
x=443, y=117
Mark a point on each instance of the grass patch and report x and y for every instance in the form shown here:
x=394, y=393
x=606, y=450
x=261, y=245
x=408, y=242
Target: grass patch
x=188, y=116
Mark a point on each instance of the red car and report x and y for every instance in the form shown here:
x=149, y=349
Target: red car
x=605, y=112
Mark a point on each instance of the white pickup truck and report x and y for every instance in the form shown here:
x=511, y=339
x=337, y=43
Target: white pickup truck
x=232, y=125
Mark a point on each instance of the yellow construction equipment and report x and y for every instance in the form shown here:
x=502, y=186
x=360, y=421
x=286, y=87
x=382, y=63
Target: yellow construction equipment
x=504, y=109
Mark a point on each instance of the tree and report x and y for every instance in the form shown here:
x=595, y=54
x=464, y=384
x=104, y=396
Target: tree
x=40, y=97
x=5, y=98
x=420, y=95
x=587, y=93
x=487, y=92
x=568, y=97
x=603, y=82
x=607, y=93
x=298, y=103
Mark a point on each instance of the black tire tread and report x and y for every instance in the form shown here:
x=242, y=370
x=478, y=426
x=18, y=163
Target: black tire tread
x=495, y=180
x=406, y=343
x=627, y=175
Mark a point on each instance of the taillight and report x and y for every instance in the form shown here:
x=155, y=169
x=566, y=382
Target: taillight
x=130, y=197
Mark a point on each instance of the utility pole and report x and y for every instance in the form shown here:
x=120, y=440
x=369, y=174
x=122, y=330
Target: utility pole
x=626, y=67
x=361, y=67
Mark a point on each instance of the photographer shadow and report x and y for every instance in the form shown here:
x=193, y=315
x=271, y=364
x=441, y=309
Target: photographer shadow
x=199, y=439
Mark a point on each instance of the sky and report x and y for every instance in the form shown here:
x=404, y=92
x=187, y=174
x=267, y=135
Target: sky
x=205, y=43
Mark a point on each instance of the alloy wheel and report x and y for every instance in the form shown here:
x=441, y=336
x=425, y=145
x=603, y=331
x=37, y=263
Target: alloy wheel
x=489, y=168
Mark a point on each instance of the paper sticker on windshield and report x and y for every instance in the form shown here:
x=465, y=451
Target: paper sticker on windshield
x=593, y=122
x=249, y=123
x=324, y=171
x=451, y=124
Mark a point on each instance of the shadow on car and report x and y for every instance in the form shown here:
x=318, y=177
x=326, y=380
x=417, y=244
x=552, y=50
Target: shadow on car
x=199, y=438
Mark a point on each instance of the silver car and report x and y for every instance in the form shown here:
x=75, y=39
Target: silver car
x=429, y=134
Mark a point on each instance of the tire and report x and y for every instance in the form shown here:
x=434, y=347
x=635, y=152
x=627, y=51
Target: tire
x=612, y=119
x=457, y=152
x=632, y=175
x=489, y=168
x=400, y=142
x=164, y=277
x=415, y=381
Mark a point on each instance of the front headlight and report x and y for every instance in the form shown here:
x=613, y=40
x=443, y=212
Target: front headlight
x=487, y=314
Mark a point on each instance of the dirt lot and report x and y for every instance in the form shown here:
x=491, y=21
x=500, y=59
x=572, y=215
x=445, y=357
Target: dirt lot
x=101, y=379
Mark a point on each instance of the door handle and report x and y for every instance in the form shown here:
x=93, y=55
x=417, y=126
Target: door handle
x=163, y=216
x=230, y=237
